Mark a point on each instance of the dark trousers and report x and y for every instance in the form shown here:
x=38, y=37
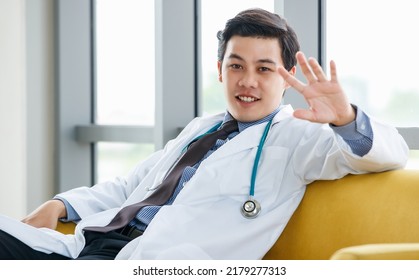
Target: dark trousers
x=99, y=246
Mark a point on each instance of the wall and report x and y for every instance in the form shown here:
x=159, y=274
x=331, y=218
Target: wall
x=40, y=100
x=26, y=98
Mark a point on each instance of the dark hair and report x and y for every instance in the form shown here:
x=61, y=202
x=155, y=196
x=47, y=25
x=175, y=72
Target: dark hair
x=264, y=24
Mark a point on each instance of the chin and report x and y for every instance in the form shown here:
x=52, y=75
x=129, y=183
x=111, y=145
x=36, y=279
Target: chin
x=240, y=115
x=246, y=118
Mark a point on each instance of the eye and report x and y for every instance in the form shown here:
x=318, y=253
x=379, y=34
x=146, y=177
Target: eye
x=236, y=66
x=264, y=69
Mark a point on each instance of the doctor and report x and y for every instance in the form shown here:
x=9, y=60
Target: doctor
x=235, y=202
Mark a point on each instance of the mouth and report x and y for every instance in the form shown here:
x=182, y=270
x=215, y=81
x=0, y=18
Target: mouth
x=247, y=99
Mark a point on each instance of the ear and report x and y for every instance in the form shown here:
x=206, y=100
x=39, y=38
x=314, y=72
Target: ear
x=220, y=75
x=292, y=72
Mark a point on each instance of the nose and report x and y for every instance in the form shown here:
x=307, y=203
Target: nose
x=248, y=80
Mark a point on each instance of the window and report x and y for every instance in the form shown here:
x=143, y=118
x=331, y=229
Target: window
x=97, y=121
x=374, y=52
x=117, y=80
x=125, y=67
x=125, y=78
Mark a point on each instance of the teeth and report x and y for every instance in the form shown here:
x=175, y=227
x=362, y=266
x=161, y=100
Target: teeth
x=247, y=98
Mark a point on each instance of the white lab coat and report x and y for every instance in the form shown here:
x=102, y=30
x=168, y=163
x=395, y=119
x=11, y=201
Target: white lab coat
x=205, y=221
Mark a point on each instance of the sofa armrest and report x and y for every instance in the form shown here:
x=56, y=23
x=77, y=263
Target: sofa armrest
x=66, y=228
x=391, y=251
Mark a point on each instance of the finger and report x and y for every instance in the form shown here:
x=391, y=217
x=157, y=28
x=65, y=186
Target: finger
x=317, y=70
x=305, y=68
x=291, y=80
x=333, y=72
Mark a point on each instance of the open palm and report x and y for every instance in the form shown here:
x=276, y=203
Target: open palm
x=326, y=98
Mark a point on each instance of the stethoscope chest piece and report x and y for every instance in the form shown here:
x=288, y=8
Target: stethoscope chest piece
x=251, y=208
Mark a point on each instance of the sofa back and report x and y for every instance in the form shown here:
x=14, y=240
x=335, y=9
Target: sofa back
x=355, y=210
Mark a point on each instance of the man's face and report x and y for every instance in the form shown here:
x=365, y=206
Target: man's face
x=249, y=72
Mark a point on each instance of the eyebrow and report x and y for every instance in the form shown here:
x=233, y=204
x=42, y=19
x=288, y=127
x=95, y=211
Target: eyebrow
x=263, y=60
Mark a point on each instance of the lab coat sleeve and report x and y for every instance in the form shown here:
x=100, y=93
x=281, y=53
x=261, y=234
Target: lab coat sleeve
x=389, y=150
x=325, y=155
x=109, y=194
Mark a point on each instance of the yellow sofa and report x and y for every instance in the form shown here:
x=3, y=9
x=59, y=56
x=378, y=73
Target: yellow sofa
x=370, y=216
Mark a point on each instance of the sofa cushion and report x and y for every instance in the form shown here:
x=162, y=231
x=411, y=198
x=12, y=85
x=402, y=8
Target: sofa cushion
x=355, y=210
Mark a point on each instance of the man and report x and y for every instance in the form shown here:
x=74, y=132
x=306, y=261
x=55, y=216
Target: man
x=234, y=202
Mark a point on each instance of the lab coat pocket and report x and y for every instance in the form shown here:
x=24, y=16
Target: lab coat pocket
x=270, y=171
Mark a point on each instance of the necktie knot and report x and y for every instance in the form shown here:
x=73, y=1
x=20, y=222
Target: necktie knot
x=230, y=127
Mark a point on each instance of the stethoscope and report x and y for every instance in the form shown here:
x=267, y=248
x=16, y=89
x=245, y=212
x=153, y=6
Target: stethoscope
x=251, y=207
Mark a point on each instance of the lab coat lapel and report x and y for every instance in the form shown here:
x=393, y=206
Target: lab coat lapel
x=156, y=176
x=245, y=140
x=250, y=137
x=285, y=112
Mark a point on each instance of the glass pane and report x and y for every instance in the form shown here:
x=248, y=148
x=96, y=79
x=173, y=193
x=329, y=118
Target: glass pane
x=125, y=62
x=374, y=44
x=214, y=14
x=117, y=159
x=374, y=52
x=125, y=76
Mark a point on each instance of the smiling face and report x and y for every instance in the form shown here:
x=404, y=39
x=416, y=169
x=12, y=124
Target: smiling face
x=249, y=72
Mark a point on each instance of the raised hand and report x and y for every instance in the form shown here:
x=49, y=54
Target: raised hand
x=326, y=99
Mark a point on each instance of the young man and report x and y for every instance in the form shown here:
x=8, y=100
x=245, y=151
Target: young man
x=233, y=202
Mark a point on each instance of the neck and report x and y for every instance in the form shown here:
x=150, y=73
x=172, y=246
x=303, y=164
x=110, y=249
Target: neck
x=244, y=125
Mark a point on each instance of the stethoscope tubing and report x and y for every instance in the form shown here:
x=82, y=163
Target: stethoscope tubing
x=257, y=159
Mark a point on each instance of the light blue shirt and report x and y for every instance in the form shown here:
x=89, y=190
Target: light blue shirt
x=358, y=134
